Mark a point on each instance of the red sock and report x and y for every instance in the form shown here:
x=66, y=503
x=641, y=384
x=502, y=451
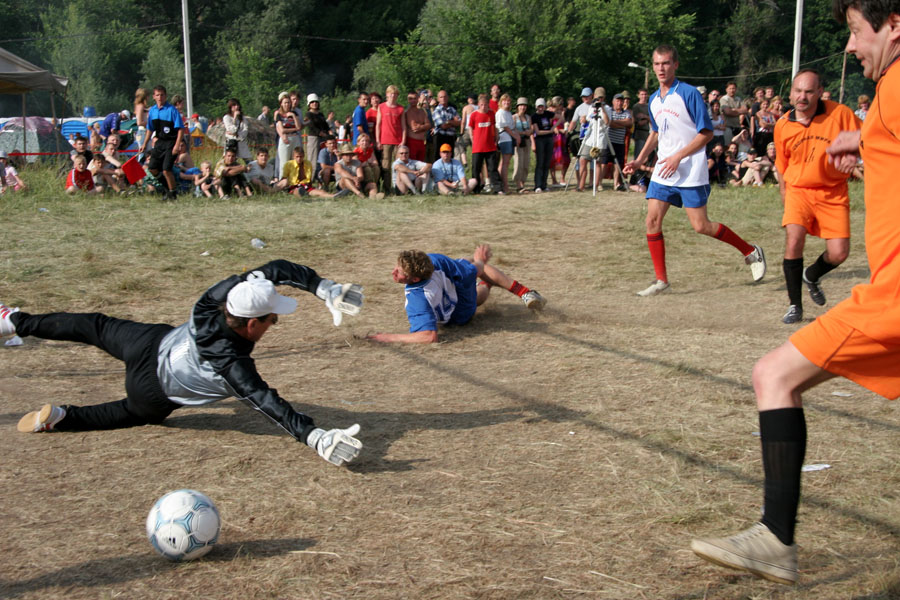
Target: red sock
x=518, y=289
x=657, y=246
x=729, y=237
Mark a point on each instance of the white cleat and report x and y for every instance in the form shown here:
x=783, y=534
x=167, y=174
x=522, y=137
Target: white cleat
x=756, y=550
x=757, y=262
x=534, y=300
x=41, y=420
x=657, y=287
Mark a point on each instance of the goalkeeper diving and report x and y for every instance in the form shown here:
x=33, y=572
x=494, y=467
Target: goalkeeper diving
x=199, y=362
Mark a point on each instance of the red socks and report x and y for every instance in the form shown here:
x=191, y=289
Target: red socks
x=729, y=237
x=657, y=246
x=518, y=289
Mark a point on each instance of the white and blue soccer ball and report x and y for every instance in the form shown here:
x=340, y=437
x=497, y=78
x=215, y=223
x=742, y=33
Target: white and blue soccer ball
x=183, y=525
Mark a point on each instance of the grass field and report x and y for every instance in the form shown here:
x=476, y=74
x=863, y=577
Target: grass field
x=568, y=454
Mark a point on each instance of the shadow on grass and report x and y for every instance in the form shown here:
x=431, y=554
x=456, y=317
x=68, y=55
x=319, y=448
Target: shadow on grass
x=551, y=412
x=379, y=429
x=113, y=570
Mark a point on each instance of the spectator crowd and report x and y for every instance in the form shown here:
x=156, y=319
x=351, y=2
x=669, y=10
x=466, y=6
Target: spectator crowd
x=423, y=143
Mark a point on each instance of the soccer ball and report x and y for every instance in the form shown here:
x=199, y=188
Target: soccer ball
x=183, y=525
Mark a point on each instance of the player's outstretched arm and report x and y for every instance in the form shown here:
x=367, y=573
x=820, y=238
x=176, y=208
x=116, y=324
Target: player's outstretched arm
x=649, y=146
x=844, y=151
x=337, y=446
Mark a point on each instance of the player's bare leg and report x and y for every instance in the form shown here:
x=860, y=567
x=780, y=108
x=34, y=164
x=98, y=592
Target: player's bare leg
x=753, y=254
x=492, y=276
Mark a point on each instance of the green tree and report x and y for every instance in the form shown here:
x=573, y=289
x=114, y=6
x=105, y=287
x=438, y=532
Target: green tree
x=163, y=63
x=251, y=78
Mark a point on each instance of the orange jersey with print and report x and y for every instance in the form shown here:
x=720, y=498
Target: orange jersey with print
x=874, y=307
x=800, y=149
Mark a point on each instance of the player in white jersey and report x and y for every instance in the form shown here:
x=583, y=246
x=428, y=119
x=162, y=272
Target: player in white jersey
x=680, y=130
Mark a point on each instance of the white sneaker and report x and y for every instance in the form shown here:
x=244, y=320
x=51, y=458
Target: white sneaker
x=534, y=300
x=538, y=190
x=757, y=262
x=657, y=287
x=6, y=326
x=756, y=550
x=41, y=420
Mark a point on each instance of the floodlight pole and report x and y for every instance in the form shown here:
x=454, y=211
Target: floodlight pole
x=634, y=65
x=798, y=31
x=189, y=98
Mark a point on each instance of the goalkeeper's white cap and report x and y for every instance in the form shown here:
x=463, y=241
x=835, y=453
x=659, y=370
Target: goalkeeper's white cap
x=256, y=298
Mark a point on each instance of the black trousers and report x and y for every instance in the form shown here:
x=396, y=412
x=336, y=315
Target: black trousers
x=136, y=344
x=489, y=158
x=543, y=153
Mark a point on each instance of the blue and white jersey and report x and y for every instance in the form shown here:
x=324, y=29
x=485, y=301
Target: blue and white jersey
x=432, y=302
x=678, y=118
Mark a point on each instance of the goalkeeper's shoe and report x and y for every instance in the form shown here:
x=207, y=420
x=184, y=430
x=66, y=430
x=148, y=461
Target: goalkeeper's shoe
x=6, y=326
x=756, y=550
x=44, y=419
x=534, y=300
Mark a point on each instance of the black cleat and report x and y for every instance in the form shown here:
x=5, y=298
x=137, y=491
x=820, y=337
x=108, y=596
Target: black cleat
x=815, y=292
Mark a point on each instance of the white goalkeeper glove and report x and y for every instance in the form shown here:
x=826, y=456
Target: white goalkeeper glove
x=340, y=298
x=337, y=446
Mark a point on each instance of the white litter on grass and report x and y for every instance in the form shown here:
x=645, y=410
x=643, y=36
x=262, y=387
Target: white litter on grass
x=205, y=253
x=818, y=467
x=571, y=433
x=755, y=434
x=257, y=243
x=14, y=341
x=43, y=210
x=841, y=394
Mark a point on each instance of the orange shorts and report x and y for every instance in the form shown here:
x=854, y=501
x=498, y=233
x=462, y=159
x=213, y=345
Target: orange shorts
x=823, y=212
x=836, y=347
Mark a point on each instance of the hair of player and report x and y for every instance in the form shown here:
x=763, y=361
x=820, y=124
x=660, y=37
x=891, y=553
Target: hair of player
x=812, y=71
x=876, y=12
x=416, y=264
x=667, y=50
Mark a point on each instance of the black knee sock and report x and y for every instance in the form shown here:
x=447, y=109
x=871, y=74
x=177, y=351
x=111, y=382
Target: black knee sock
x=819, y=268
x=783, y=433
x=793, y=278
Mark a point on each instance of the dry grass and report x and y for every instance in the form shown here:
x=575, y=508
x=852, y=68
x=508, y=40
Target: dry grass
x=569, y=454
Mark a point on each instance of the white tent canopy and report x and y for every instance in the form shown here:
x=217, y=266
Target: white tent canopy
x=18, y=76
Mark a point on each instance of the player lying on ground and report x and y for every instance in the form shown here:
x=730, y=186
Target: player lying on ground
x=859, y=338
x=202, y=361
x=442, y=290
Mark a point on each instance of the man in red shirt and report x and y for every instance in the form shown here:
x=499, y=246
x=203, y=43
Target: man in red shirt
x=390, y=129
x=483, y=130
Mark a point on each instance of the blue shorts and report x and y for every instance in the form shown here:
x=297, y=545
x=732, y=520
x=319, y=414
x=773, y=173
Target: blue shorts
x=506, y=147
x=466, y=294
x=691, y=197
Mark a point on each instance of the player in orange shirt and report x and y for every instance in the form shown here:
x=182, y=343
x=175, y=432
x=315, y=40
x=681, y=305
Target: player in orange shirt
x=814, y=192
x=859, y=338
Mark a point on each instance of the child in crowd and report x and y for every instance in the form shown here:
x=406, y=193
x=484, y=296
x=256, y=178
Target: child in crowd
x=9, y=177
x=297, y=176
x=79, y=179
x=204, y=182
x=230, y=175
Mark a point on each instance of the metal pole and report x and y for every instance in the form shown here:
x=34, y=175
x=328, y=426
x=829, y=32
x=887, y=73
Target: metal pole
x=53, y=112
x=798, y=31
x=24, y=130
x=647, y=79
x=843, y=77
x=189, y=98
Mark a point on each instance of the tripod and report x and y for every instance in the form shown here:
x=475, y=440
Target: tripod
x=598, y=130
